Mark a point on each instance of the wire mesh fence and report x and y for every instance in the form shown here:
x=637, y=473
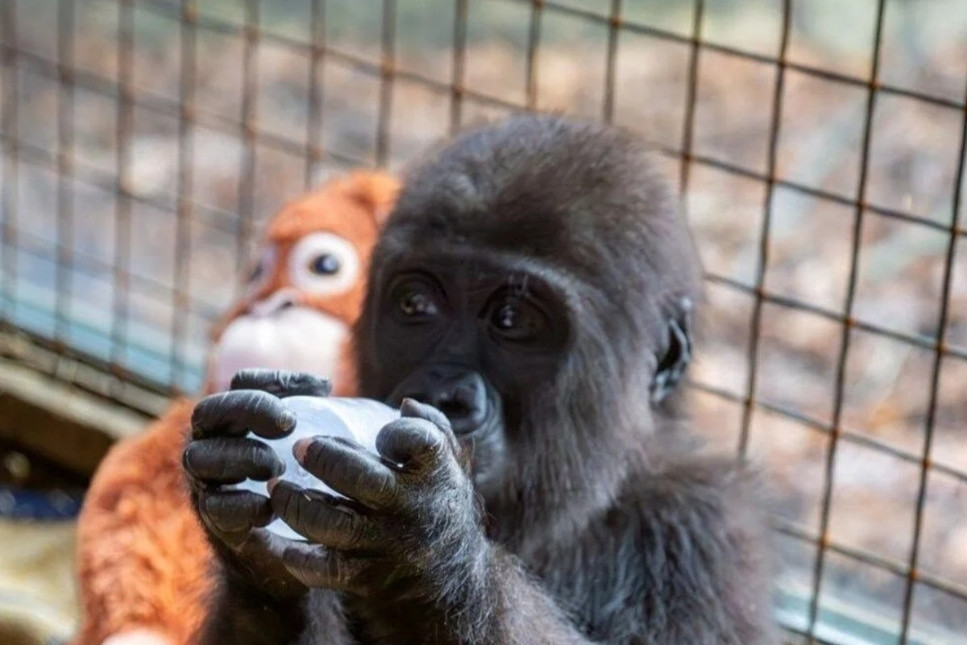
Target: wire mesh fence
x=819, y=148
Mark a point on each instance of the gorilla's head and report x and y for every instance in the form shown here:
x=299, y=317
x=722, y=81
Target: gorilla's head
x=535, y=284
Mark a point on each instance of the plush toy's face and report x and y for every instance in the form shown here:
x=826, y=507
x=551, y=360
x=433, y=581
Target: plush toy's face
x=306, y=289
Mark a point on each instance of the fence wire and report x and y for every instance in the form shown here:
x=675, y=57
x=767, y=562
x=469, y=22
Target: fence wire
x=88, y=310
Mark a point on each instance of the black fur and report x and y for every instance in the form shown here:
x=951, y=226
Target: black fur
x=578, y=509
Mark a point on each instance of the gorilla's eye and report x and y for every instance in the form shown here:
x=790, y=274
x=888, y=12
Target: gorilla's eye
x=325, y=264
x=417, y=304
x=506, y=317
x=415, y=298
x=517, y=320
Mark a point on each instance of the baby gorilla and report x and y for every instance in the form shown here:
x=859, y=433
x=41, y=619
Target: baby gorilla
x=533, y=291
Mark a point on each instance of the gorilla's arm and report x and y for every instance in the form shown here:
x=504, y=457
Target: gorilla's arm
x=242, y=613
x=256, y=600
x=504, y=606
x=675, y=559
x=410, y=552
x=679, y=558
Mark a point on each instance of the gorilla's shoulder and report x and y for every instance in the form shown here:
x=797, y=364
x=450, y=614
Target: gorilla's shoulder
x=685, y=489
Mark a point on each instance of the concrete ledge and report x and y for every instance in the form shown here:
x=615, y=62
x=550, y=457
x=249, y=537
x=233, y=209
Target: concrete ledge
x=62, y=423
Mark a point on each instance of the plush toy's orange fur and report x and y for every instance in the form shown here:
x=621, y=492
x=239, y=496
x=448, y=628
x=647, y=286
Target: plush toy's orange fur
x=143, y=557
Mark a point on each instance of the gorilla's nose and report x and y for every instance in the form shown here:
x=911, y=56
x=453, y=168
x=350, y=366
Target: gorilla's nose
x=459, y=393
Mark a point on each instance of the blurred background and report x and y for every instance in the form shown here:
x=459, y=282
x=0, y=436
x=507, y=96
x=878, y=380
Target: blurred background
x=818, y=146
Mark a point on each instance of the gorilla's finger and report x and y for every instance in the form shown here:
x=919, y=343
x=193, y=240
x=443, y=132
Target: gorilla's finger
x=349, y=469
x=410, y=407
x=230, y=460
x=415, y=443
x=240, y=411
x=263, y=543
x=260, y=552
x=319, y=517
x=232, y=514
x=281, y=383
x=317, y=566
x=417, y=410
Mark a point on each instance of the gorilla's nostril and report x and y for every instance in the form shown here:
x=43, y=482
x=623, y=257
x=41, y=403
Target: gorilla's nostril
x=453, y=408
x=464, y=416
x=458, y=393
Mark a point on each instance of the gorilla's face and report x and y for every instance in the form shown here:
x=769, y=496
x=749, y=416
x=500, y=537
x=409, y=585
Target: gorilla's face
x=472, y=337
x=528, y=284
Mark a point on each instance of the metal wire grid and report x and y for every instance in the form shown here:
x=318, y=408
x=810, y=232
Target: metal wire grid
x=121, y=89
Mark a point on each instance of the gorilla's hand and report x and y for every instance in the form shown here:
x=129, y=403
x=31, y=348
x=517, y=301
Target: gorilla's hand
x=410, y=528
x=219, y=455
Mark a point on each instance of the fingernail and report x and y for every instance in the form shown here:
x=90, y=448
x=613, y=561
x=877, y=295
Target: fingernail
x=409, y=406
x=286, y=420
x=185, y=458
x=300, y=448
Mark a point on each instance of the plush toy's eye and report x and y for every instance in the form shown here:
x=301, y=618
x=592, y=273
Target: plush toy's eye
x=262, y=272
x=323, y=263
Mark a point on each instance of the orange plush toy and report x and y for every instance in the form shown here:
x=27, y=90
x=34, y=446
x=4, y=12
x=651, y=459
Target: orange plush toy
x=143, y=557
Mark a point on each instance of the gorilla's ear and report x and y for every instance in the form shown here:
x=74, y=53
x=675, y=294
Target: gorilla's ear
x=678, y=350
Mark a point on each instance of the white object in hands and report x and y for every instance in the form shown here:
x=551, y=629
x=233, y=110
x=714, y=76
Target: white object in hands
x=359, y=420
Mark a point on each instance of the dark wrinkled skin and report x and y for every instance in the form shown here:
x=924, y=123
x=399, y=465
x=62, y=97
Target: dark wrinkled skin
x=536, y=284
